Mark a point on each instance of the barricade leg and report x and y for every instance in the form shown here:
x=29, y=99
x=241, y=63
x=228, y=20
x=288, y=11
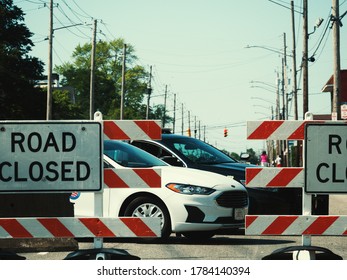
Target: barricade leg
x=302, y=253
x=101, y=254
x=4, y=255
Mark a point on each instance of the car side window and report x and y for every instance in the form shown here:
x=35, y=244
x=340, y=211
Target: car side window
x=194, y=153
x=159, y=152
x=149, y=148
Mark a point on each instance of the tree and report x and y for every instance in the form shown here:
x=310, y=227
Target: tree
x=19, y=98
x=108, y=77
x=253, y=157
x=64, y=108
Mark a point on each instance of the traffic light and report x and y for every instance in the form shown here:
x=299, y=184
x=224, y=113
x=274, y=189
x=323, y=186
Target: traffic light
x=225, y=132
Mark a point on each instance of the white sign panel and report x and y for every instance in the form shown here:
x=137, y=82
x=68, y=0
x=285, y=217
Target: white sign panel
x=50, y=156
x=326, y=158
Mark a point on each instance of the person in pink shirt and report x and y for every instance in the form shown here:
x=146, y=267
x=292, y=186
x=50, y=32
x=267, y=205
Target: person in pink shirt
x=264, y=160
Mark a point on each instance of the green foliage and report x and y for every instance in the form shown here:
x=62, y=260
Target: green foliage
x=63, y=107
x=235, y=156
x=253, y=158
x=19, y=99
x=108, y=79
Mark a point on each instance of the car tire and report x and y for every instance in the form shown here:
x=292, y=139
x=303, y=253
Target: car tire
x=143, y=207
x=199, y=235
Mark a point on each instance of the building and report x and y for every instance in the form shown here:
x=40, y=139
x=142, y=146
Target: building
x=329, y=87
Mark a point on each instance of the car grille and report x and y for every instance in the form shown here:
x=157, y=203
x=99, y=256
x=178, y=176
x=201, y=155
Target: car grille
x=233, y=199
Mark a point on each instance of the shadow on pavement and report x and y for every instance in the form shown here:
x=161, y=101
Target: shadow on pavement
x=217, y=240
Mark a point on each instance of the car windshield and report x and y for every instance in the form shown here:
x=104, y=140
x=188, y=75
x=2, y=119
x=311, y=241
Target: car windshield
x=197, y=151
x=130, y=156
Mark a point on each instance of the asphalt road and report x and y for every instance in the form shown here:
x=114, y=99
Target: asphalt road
x=221, y=247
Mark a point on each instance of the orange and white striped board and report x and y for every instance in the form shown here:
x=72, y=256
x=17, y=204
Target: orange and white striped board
x=279, y=129
x=132, y=178
x=296, y=225
x=132, y=129
x=69, y=227
x=275, y=177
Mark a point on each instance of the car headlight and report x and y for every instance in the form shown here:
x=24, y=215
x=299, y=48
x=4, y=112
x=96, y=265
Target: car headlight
x=189, y=189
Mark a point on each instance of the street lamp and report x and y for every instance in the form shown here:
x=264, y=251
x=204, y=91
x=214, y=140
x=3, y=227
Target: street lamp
x=263, y=99
x=273, y=91
x=260, y=82
x=269, y=49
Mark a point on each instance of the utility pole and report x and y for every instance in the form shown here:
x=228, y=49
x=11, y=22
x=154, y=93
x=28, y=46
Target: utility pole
x=305, y=60
x=123, y=83
x=164, y=113
x=204, y=133
x=199, y=137
x=174, y=114
x=278, y=114
x=189, y=131
x=283, y=92
x=336, y=110
x=195, y=131
x=149, y=92
x=295, y=90
x=295, y=82
x=285, y=79
x=182, y=121
x=50, y=63
x=92, y=74
x=278, y=110
x=285, y=100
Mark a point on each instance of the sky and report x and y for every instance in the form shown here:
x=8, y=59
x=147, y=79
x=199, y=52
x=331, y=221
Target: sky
x=198, y=51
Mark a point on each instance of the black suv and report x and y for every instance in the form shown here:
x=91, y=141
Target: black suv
x=190, y=152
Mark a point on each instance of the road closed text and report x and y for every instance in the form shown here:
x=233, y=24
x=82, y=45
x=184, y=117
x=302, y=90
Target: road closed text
x=333, y=172
x=39, y=164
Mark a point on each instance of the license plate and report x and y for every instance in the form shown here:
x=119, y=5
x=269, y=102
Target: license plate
x=239, y=214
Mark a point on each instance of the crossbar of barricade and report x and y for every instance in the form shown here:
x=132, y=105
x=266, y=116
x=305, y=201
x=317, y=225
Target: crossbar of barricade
x=99, y=227
x=70, y=227
x=305, y=225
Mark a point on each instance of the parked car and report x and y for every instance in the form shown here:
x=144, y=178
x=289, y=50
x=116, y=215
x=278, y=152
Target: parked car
x=189, y=152
x=192, y=202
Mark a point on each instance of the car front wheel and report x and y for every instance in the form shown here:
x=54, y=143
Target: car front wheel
x=143, y=207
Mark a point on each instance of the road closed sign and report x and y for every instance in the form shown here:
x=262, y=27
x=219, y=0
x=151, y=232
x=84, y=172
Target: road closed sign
x=326, y=158
x=50, y=156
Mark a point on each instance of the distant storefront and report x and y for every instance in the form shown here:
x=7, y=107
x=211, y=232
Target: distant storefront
x=329, y=87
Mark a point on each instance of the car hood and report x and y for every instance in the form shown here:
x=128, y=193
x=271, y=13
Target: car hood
x=237, y=169
x=171, y=174
x=232, y=165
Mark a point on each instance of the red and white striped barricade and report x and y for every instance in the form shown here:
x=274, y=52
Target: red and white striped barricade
x=132, y=178
x=132, y=129
x=296, y=225
x=98, y=226
x=280, y=129
x=69, y=227
x=275, y=177
x=287, y=177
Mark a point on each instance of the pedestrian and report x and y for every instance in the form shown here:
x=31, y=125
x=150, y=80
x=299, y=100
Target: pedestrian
x=278, y=161
x=264, y=161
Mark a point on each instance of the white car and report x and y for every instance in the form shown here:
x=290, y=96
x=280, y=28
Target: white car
x=192, y=202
